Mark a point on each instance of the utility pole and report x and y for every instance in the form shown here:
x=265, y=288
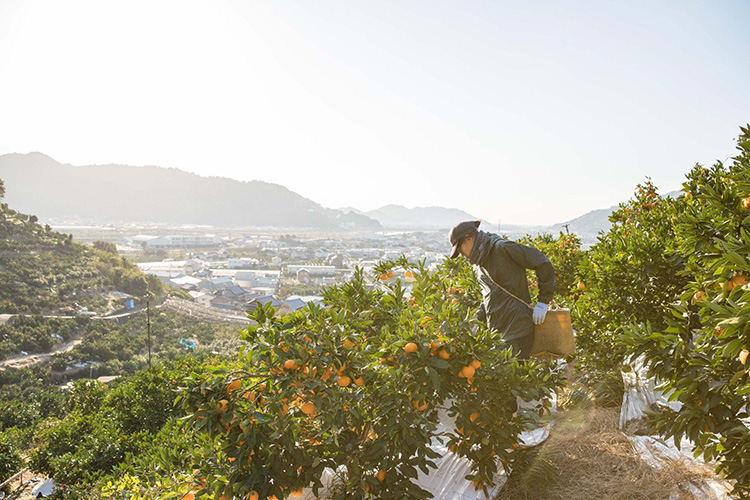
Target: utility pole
x=148, y=327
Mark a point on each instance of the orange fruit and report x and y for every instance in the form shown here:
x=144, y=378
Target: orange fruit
x=408, y=274
x=222, y=405
x=476, y=364
x=234, y=384
x=746, y=203
x=411, y=347
x=348, y=343
x=443, y=354
x=418, y=406
x=308, y=408
x=297, y=493
x=380, y=475
x=249, y=395
x=473, y=416
x=359, y=381
x=581, y=285
x=390, y=274
x=737, y=280
x=383, y=277
x=743, y=356
x=290, y=364
x=343, y=381
x=253, y=495
x=698, y=296
x=188, y=496
x=468, y=371
x=454, y=301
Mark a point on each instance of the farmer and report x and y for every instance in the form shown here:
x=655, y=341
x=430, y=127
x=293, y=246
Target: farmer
x=500, y=266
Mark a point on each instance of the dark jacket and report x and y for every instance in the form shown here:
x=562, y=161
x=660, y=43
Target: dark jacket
x=506, y=262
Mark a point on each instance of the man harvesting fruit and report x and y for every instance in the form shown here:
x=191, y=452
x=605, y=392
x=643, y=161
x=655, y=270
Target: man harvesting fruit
x=500, y=266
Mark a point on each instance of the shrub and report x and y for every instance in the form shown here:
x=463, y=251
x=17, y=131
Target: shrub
x=356, y=385
x=701, y=353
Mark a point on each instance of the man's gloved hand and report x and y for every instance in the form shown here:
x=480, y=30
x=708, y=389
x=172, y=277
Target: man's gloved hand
x=540, y=312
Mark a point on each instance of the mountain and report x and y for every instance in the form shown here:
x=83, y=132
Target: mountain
x=588, y=225
x=397, y=216
x=40, y=185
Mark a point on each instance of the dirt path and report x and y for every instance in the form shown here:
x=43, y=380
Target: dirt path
x=21, y=361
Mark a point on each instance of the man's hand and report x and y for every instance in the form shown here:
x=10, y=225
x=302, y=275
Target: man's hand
x=540, y=312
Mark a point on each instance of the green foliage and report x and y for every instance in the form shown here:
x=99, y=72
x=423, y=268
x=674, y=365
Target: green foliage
x=335, y=387
x=10, y=460
x=106, y=246
x=106, y=424
x=565, y=254
x=36, y=334
x=121, y=348
x=42, y=271
x=632, y=274
x=700, y=354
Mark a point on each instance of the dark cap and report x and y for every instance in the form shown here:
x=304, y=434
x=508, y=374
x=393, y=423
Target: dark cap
x=460, y=232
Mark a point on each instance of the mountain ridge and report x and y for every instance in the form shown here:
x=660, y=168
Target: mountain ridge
x=36, y=183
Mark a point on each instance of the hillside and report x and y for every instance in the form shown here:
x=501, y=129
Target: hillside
x=40, y=185
x=42, y=271
x=397, y=216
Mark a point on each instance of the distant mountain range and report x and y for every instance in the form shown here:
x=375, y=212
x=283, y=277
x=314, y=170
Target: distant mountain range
x=400, y=217
x=37, y=184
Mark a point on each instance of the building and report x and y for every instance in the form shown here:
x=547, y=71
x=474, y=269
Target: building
x=182, y=241
x=262, y=301
x=314, y=271
x=243, y=263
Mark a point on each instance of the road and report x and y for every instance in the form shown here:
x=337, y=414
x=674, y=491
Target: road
x=21, y=361
x=183, y=307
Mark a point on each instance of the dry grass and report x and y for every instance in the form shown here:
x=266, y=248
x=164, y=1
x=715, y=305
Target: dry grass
x=586, y=457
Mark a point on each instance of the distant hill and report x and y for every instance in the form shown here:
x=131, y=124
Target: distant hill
x=42, y=271
x=397, y=216
x=588, y=225
x=40, y=185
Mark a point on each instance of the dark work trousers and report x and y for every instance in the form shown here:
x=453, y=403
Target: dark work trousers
x=521, y=347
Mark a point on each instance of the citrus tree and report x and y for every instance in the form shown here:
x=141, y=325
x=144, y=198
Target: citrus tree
x=565, y=254
x=701, y=355
x=10, y=460
x=630, y=275
x=355, y=387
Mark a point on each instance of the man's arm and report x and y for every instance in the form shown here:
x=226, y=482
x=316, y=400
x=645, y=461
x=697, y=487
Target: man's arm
x=531, y=258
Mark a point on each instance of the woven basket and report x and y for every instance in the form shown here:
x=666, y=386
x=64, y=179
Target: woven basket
x=554, y=338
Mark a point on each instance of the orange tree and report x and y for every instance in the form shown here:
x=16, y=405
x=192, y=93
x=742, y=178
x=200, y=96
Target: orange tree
x=701, y=355
x=565, y=254
x=631, y=274
x=355, y=387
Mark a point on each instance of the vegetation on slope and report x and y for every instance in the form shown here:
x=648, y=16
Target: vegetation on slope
x=42, y=271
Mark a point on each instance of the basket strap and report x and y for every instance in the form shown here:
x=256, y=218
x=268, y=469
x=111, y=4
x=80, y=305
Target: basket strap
x=509, y=293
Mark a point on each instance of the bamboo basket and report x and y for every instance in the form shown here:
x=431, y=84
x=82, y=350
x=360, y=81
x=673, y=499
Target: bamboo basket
x=554, y=338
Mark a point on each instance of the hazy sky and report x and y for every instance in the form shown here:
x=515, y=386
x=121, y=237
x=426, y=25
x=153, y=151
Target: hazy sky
x=520, y=112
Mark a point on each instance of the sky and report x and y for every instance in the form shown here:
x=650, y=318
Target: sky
x=516, y=112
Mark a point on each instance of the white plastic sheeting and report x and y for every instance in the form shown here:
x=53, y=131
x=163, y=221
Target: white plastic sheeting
x=641, y=396
x=659, y=453
x=44, y=489
x=640, y=393
x=447, y=481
